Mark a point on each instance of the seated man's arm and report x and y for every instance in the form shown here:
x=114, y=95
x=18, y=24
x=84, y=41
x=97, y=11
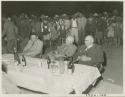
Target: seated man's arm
x=37, y=49
x=28, y=46
x=84, y=58
x=94, y=58
x=60, y=51
x=78, y=52
x=51, y=55
x=70, y=51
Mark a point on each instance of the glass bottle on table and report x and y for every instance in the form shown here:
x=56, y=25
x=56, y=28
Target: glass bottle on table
x=23, y=61
x=66, y=62
x=71, y=66
x=54, y=66
x=16, y=56
x=15, y=53
x=18, y=44
x=61, y=66
x=48, y=62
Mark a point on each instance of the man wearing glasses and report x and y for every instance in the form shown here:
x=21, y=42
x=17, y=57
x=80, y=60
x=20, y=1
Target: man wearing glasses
x=90, y=53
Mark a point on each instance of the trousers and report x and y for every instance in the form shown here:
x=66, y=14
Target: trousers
x=74, y=33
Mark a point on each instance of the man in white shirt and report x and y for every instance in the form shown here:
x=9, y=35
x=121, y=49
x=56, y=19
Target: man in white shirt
x=34, y=46
x=74, y=29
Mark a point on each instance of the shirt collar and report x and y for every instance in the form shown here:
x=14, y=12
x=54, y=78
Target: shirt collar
x=89, y=47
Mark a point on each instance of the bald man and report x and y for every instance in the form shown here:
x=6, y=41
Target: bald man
x=67, y=49
x=90, y=53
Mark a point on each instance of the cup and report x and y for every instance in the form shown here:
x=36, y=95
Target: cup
x=61, y=67
x=39, y=64
x=70, y=71
x=66, y=65
x=44, y=64
x=55, y=67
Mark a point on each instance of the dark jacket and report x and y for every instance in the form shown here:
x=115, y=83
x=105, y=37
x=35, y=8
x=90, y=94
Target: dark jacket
x=95, y=52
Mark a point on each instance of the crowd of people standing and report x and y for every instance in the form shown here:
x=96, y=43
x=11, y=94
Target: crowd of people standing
x=106, y=28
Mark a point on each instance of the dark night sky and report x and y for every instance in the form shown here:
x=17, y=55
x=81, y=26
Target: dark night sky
x=51, y=8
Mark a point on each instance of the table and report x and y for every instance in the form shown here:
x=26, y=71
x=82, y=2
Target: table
x=40, y=79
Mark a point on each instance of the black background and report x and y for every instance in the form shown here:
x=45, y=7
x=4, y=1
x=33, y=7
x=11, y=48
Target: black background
x=58, y=7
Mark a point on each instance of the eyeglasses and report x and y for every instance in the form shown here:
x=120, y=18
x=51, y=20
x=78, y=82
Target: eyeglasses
x=86, y=40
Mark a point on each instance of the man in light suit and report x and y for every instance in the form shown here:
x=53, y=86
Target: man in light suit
x=34, y=46
x=68, y=49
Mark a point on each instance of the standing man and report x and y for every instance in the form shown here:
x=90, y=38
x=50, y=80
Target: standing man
x=81, y=20
x=54, y=33
x=90, y=26
x=24, y=31
x=45, y=30
x=67, y=23
x=62, y=30
x=36, y=26
x=10, y=31
x=74, y=29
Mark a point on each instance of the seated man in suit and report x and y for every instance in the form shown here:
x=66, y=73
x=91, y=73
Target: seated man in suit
x=34, y=46
x=68, y=49
x=90, y=53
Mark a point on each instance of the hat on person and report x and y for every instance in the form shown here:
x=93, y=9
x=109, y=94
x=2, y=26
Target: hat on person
x=95, y=14
x=33, y=33
x=56, y=16
x=78, y=14
x=65, y=16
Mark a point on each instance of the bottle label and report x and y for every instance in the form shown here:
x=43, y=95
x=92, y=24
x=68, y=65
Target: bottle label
x=23, y=61
x=69, y=71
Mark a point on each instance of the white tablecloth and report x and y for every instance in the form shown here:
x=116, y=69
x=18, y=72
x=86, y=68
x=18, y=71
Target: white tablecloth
x=38, y=78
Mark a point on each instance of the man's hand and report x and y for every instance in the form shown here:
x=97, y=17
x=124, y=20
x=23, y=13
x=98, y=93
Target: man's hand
x=56, y=52
x=24, y=53
x=83, y=58
x=59, y=55
x=20, y=54
x=5, y=38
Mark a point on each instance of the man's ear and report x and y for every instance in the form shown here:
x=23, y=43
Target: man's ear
x=92, y=40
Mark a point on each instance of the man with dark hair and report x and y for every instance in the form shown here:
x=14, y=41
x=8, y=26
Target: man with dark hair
x=90, y=53
x=34, y=46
